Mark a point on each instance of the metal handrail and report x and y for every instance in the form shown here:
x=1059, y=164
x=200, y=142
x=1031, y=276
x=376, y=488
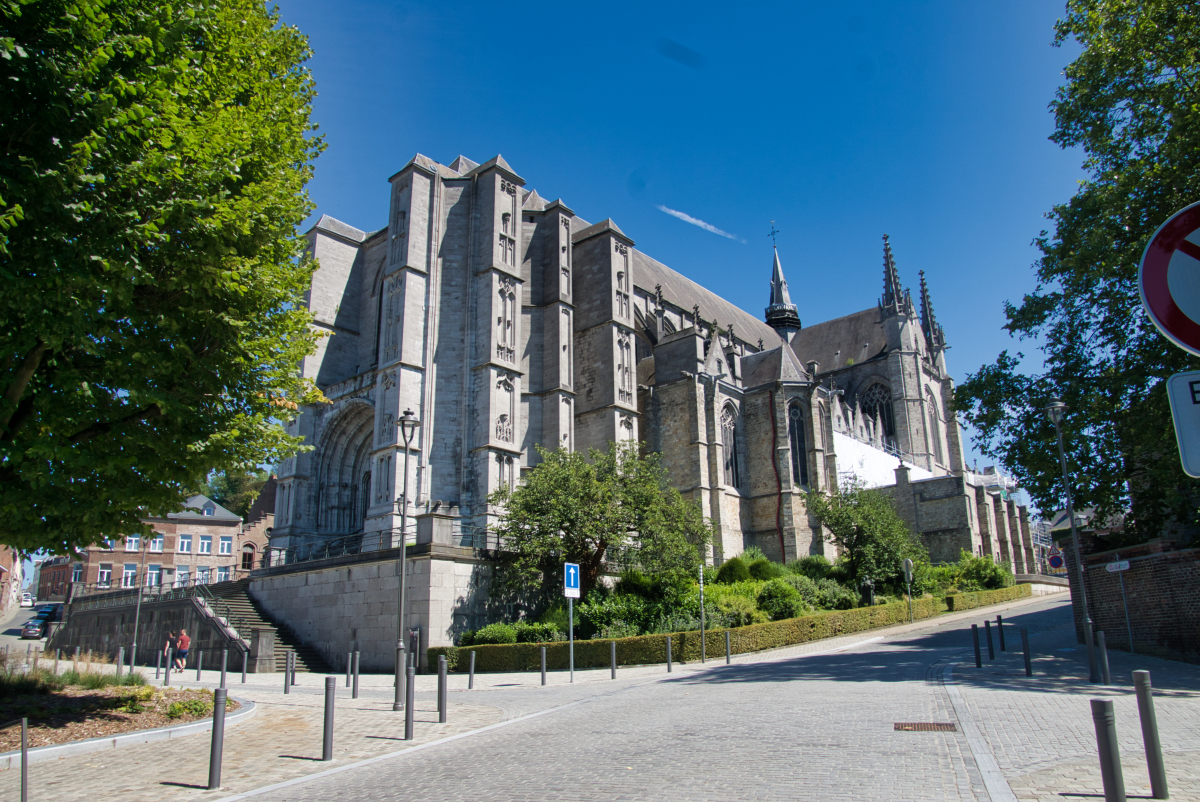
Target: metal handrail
x=95, y=596
x=324, y=547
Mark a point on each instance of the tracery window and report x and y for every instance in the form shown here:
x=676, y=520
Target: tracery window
x=935, y=428
x=729, y=440
x=796, y=440
x=505, y=471
x=877, y=402
x=624, y=369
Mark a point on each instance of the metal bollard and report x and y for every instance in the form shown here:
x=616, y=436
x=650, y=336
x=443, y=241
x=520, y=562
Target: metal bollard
x=24, y=760
x=668, y=654
x=132, y=656
x=294, y=662
x=327, y=740
x=218, y=739
x=1102, y=648
x=444, y=684
x=245, y=661
x=728, y=653
x=224, y=661
x=349, y=667
x=987, y=626
x=398, y=698
x=354, y=685
x=1154, y=758
x=975, y=638
x=1110, y=753
x=199, y=663
x=158, y=666
x=287, y=672
x=471, y=676
x=74, y=663
x=120, y=659
x=170, y=662
x=1025, y=650
x=612, y=652
x=1000, y=631
x=543, y=665
x=408, y=709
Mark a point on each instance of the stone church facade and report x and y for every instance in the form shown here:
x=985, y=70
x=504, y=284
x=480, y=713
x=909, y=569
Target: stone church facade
x=504, y=321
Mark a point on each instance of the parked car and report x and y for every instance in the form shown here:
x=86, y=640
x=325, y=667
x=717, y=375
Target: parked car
x=34, y=628
x=27, y=600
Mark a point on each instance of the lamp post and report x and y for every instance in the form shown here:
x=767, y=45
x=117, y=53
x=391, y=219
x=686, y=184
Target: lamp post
x=408, y=426
x=1054, y=411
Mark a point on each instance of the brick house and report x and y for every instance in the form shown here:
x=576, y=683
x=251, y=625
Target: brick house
x=201, y=544
x=54, y=578
x=11, y=578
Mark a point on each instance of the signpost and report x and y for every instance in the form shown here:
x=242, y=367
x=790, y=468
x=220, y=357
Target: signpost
x=1119, y=567
x=1169, y=281
x=571, y=591
x=908, y=566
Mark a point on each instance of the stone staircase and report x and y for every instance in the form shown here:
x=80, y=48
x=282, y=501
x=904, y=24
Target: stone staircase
x=246, y=614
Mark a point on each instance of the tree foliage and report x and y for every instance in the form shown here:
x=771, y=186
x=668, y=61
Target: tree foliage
x=153, y=159
x=1131, y=102
x=613, y=504
x=236, y=490
x=864, y=525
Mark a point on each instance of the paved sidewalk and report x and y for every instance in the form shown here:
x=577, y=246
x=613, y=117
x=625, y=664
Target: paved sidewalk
x=1040, y=729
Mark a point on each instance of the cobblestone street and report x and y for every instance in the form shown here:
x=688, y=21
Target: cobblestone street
x=814, y=722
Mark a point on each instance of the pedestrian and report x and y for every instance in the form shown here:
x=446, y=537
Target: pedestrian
x=181, y=649
x=168, y=646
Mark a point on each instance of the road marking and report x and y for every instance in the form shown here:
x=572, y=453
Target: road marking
x=993, y=779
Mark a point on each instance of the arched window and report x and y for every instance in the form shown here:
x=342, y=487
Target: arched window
x=505, y=470
x=247, y=556
x=796, y=440
x=729, y=439
x=877, y=402
x=935, y=427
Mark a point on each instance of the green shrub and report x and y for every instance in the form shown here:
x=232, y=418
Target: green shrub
x=618, y=612
x=982, y=573
x=531, y=632
x=738, y=611
x=556, y=617
x=815, y=566
x=733, y=570
x=752, y=553
x=189, y=707
x=764, y=569
x=969, y=601
x=834, y=596
x=806, y=587
x=780, y=600
x=633, y=581
x=495, y=633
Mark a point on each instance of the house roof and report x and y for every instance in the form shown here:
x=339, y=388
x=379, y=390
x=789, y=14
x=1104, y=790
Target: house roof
x=194, y=509
x=777, y=364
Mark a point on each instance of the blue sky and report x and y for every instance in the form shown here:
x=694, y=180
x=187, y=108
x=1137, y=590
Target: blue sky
x=927, y=121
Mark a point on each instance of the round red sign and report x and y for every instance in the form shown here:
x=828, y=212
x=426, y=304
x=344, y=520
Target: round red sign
x=1170, y=278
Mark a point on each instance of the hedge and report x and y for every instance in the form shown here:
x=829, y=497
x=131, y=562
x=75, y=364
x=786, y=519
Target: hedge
x=969, y=601
x=685, y=646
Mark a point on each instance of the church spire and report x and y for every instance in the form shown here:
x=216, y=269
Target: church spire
x=781, y=313
x=892, y=294
x=933, y=332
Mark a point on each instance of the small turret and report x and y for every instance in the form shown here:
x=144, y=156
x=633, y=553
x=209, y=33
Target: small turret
x=781, y=313
x=896, y=300
x=934, y=336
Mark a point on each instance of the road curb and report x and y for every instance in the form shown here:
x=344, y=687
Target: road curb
x=997, y=786
x=40, y=754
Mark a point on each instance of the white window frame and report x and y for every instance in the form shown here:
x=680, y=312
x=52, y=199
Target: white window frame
x=156, y=544
x=104, y=576
x=203, y=574
x=133, y=543
x=129, y=578
x=184, y=545
x=153, y=576
x=226, y=544
x=205, y=545
x=77, y=572
x=182, y=575
x=223, y=573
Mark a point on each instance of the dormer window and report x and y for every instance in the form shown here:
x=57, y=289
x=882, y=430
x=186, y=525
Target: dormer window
x=209, y=509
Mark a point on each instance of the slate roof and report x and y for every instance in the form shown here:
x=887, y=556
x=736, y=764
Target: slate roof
x=766, y=367
x=336, y=227
x=684, y=293
x=859, y=336
x=193, y=510
x=604, y=225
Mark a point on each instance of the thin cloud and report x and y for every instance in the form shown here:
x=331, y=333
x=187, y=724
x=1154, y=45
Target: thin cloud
x=696, y=221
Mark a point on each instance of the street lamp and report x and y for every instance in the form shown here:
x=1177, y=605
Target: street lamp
x=1054, y=411
x=408, y=427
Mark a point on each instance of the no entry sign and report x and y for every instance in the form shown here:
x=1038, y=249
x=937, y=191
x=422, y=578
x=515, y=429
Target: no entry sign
x=1170, y=279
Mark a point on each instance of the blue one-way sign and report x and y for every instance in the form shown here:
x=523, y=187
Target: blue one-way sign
x=571, y=580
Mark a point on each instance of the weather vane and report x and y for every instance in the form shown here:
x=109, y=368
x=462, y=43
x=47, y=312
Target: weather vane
x=774, y=231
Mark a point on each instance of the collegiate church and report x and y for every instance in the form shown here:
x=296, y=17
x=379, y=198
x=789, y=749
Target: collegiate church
x=504, y=321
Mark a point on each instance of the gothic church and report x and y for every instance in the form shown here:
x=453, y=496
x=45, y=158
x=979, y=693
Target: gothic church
x=504, y=321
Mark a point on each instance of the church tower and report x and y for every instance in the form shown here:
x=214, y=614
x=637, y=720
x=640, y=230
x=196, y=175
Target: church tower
x=781, y=312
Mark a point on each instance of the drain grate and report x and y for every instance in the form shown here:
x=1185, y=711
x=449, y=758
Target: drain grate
x=924, y=726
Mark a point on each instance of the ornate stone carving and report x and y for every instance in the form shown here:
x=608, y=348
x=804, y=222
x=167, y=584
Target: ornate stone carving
x=389, y=380
x=504, y=429
x=507, y=187
x=621, y=248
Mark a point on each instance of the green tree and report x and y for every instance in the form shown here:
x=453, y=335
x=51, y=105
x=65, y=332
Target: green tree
x=1131, y=102
x=613, y=504
x=864, y=525
x=236, y=491
x=153, y=159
